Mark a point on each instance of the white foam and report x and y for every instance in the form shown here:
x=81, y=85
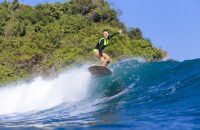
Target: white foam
x=41, y=94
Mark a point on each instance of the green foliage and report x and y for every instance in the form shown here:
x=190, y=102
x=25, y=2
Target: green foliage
x=36, y=39
x=8, y=73
x=135, y=34
x=143, y=48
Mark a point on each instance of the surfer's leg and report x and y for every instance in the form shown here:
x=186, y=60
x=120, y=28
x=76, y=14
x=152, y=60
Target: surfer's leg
x=96, y=53
x=106, y=60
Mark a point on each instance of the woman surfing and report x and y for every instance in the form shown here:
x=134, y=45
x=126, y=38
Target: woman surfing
x=103, y=43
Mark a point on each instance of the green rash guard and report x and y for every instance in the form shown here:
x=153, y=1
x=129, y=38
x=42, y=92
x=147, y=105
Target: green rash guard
x=103, y=42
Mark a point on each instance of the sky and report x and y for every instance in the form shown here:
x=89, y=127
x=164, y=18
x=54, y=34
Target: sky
x=173, y=25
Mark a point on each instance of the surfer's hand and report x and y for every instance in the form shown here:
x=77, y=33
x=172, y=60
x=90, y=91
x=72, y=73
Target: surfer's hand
x=120, y=31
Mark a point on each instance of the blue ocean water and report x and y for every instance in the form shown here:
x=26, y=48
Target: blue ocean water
x=138, y=95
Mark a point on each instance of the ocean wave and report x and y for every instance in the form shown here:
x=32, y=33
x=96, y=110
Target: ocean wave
x=140, y=95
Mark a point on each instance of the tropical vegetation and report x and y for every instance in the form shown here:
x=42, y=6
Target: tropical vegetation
x=46, y=38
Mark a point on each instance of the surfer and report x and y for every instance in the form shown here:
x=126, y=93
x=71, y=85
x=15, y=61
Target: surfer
x=103, y=42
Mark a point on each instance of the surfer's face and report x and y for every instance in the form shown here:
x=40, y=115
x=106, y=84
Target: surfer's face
x=105, y=34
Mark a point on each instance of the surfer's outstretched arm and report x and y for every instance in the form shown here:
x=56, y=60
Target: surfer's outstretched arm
x=114, y=34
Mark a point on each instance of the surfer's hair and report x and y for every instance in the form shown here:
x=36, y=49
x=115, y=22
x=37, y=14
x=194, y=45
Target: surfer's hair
x=106, y=30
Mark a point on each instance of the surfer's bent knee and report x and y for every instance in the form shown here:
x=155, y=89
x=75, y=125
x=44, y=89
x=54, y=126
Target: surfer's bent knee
x=106, y=56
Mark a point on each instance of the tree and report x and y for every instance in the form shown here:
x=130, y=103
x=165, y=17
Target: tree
x=135, y=34
x=59, y=35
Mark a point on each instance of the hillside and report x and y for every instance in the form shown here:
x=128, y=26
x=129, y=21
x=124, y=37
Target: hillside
x=46, y=38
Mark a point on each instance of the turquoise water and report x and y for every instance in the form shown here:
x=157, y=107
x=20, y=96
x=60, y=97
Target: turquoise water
x=139, y=95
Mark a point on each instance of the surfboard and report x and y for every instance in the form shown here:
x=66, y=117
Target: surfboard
x=99, y=70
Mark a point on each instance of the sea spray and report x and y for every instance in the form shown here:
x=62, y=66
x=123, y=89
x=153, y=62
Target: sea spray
x=40, y=94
